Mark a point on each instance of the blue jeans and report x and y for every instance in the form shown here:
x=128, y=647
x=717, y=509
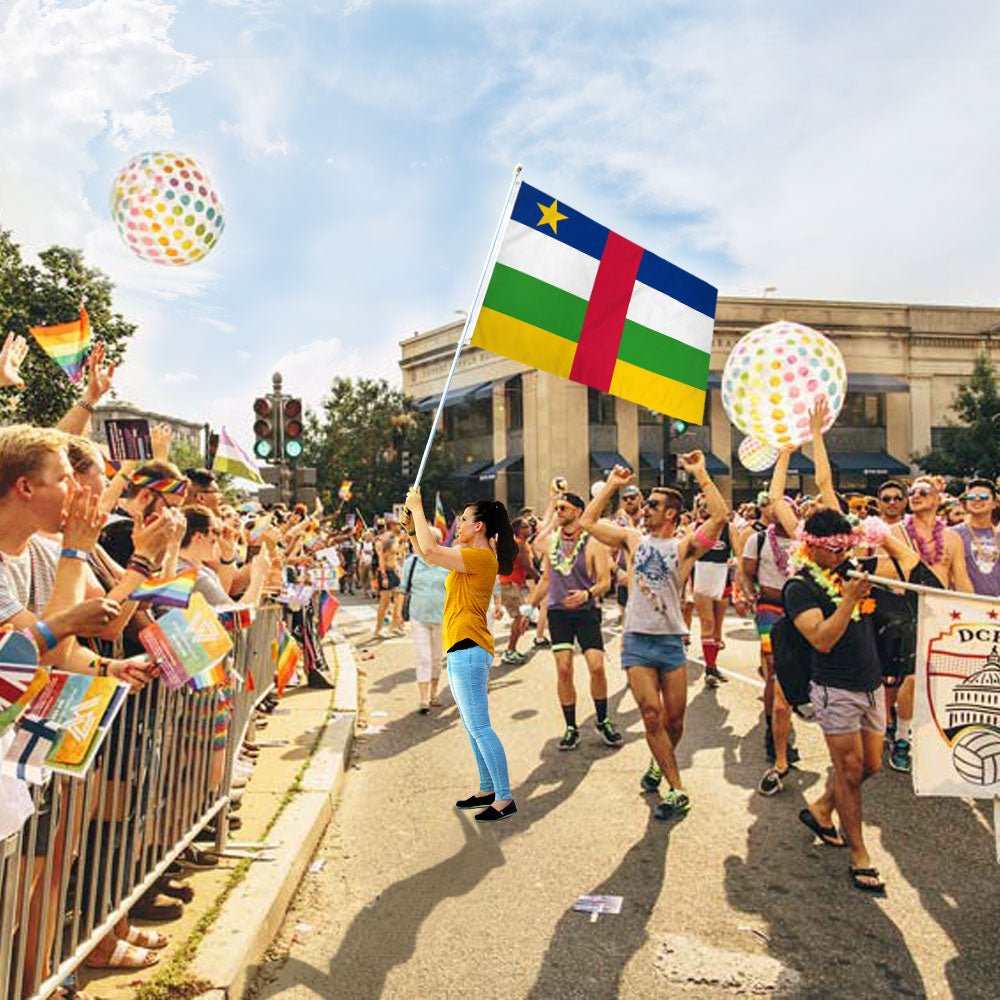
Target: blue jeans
x=468, y=671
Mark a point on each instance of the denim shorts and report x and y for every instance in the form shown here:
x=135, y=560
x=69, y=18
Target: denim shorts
x=643, y=649
x=840, y=712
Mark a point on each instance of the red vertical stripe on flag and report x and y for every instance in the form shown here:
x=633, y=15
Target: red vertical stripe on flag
x=601, y=335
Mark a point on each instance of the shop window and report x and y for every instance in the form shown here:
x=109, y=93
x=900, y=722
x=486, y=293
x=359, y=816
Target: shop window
x=600, y=408
x=863, y=409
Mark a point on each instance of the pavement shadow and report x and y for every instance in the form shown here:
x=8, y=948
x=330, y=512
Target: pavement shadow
x=839, y=941
x=956, y=884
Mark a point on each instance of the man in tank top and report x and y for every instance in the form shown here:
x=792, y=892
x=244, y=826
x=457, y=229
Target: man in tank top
x=653, y=644
x=576, y=574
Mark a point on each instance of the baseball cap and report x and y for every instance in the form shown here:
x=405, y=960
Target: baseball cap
x=630, y=491
x=573, y=498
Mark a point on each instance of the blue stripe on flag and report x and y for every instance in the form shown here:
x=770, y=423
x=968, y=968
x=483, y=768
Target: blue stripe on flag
x=677, y=283
x=590, y=237
x=577, y=230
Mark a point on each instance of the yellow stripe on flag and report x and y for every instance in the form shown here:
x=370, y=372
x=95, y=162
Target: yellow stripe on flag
x=523, y=342
x=658, y=393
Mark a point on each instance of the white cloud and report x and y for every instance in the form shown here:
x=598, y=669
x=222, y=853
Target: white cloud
x=259, y=89
x=178, y=378
x=67, y=76
x=243, y=356
x=355, y=7
x=220, y=324
x=836, y=151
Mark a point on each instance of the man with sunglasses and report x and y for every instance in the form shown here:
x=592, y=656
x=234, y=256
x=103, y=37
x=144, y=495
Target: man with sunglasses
x=653, y=653
x=576, y=573
x=980, y=539
x=892, y=502
x=941, y=550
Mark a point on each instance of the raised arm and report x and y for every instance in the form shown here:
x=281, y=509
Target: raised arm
x=76, y=420
x=432, y=551
x=824, y=475
x=693, y=545
x=607, y=531
x=781, y=509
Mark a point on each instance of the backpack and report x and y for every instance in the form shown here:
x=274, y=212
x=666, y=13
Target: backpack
x=793, y=657
x=895, y=621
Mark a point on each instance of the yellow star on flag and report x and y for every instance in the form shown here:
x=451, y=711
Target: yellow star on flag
x=551, y=216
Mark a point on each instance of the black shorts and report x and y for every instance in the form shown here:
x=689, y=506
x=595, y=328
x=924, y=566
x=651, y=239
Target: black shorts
x=622, y=594
x=583, y=626
x=388, y=581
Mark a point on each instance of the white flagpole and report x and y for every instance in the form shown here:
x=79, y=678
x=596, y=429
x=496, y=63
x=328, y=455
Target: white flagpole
x=884, y=581
x=470, y=321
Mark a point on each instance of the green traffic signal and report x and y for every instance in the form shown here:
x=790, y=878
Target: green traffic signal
x=262, y=448
x=293, y=448
x=680, y=426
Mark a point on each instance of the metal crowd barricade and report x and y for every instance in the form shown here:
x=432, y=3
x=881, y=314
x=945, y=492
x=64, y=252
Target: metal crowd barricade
x=95, y=845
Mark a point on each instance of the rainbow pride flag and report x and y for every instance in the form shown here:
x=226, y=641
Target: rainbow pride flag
x=440, y=520
x=67, y=344
x=171, y=591
x=328, y=606
x=287, y=654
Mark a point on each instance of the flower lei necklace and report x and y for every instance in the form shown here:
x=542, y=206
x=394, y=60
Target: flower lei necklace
x=930, y=556
x=780, y=554
x=561, y=562
x=831, y=585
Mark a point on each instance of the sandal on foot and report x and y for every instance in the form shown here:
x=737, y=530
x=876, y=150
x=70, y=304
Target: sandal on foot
x=157, y=909
x=143, y=938
x=876, y=888
x=175, y=890
x=828, y=834
x=126, y=956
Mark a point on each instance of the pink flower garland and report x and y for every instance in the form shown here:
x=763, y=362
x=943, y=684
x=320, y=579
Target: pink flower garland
x=780, y=554
x=937, y=540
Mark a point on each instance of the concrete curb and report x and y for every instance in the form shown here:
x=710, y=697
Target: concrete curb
x=235, y=944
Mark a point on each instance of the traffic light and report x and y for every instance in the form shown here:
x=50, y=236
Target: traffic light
x=264, y=428
x=404, y=463
x=680, y=426
x=213, y=447
x=292, y=416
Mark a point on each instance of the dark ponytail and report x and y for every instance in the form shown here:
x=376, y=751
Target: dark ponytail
x=494, y=516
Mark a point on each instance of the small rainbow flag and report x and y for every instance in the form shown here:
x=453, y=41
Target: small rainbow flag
x=67, y=344
x=287, y=655
x=328, y=606
x=171, y=591
x=440, y=521
x=215, y=676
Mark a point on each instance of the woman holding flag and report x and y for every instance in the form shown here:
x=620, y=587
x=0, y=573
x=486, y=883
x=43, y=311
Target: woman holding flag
x=485, y=544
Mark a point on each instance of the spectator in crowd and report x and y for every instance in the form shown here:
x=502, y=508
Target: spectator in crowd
x=423, y=583
x=203, y=490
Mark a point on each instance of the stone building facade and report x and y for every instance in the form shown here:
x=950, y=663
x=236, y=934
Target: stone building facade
x=514, y=428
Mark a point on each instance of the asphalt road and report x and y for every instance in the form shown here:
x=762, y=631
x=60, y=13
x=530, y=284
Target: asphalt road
x=415, y=899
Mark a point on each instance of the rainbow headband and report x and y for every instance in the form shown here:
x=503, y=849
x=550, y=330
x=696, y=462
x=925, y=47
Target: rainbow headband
x=175, y=486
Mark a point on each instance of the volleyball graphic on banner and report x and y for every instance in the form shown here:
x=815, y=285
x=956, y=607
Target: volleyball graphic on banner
x=976, y=756
x=166, y=208
x=755, y=455
x=773, y=378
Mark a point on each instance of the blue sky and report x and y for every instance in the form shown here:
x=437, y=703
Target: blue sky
x=362, y=149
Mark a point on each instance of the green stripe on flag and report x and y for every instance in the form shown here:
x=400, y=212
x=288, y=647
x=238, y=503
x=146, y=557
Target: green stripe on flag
x=530, y=300
x=662, y=355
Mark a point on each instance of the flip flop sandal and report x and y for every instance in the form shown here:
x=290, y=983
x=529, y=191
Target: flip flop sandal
x=857, y=874
x=828, y=834
x=142, y=938
x=126, y=956
x=151, y=908
x=174, y=890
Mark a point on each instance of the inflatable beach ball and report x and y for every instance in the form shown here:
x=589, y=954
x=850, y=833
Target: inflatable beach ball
x=166, y=209
x=755, y=455
x=773, y=378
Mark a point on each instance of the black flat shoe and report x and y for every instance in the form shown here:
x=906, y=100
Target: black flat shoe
x=476, y=801
x=490, y=815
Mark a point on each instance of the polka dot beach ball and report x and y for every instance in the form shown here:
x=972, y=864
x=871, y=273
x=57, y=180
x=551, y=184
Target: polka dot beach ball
x=755, y=455
x=773, y=377
x=166, y=209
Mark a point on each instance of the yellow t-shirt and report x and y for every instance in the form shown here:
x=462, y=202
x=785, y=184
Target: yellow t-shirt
x=467, y=599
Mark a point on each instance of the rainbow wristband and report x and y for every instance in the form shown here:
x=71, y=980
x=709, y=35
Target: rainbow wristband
x=45, y=631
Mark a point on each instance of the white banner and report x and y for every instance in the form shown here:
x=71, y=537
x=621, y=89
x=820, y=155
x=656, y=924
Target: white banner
x=956, y=719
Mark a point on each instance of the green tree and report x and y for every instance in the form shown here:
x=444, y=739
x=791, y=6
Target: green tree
x=972, y=447
x=361, y=434
x=45, y=294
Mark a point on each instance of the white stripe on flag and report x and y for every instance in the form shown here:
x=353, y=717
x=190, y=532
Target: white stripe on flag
x=660, y=312
x=550, y=261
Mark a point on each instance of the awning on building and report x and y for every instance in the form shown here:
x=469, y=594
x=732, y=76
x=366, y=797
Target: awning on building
x=607, y=460
x=490, y=472
x=802, y=464
x=860, y=382
x=715, y=380
x=714, y=465
x=461, y=475
x=868, y=463
x=650, y=459
x=466, y=394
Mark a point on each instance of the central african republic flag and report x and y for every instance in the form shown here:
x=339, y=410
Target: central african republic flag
x=571, y=297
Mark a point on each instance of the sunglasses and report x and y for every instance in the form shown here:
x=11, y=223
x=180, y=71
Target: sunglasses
x=892, y=498
x=920, y=491
x=984, y=495
x=655, y=504
x=560, y=507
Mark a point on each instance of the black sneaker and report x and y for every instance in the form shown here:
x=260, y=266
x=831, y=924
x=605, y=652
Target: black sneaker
x=542, y=643
x=650, y=781
x=610, y=734
x=673, y=805
x=713, y=674
x=571, y=739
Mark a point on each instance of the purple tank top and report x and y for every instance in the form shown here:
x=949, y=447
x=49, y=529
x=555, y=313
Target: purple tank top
x=575, y=578
x=982, y=559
